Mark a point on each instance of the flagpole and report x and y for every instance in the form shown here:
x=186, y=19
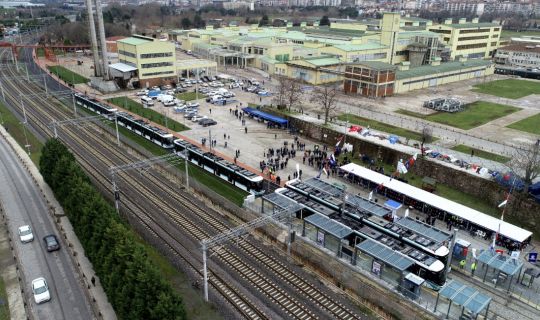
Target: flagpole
x=505, y=204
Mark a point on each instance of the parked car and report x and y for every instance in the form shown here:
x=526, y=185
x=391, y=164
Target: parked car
x=193, y=104
x=51, y=243
x=190, y=115
x=25, y=234
x=40, y=289
x=142, y=93
x=197, y=118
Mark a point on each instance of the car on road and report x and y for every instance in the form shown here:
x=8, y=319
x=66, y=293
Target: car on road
x=25, y=233
x=51, y=243
x=40, y=289
x=207, y=122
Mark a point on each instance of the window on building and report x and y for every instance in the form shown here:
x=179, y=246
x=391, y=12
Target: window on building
x=156, y=55
x=156, y=65
x=401, y=53
x=127, y=54
x=473, y=38
x=441, y=31
x=473, y=31
x=157, y=73
x=472, y=46
x=494, y=43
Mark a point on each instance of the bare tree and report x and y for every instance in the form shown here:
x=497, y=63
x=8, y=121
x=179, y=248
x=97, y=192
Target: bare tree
x=325, y=96
x=292, y=91
x=526, y=163
x=427, y=134
x=281, y=92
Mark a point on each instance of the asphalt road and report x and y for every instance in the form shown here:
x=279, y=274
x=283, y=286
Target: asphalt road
x=24, y=205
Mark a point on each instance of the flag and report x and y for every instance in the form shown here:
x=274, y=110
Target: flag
x=503, y=203
x=370, y=196
x=411, y=161
x=401, y=167
x=406, y=213
x=339, y=141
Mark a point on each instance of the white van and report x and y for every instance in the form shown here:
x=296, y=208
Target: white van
x=146, y=100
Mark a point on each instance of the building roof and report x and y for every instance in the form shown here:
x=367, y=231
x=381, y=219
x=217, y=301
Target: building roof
x=522, y=47
x=134, y=41
x=500, y=262
x=122, y=67
x=321, y=61
x=427, y=70
x=471, y=25
x=376, y=65
x=360, y=47
x=465, y=296
x=269, y=60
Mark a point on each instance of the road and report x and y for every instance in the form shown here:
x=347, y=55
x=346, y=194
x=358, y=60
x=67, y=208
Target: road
x=23, y=204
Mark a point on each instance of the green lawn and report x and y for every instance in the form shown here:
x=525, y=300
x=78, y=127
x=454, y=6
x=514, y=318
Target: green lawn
x=474, y=115
x=530, y=124
x=509, y=34
x=481, y=153
x=67, y=75
x=4, y=306
x=147, y=113
x=381, y=126
x=17, y=131
x=509, y=88
x=189, y=96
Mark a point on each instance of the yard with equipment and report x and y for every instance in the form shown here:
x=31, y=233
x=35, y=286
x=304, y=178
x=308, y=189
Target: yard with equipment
x=67, y=75
x=474, y=115
x=530, y=124
x=509, y=88
x=147, y=113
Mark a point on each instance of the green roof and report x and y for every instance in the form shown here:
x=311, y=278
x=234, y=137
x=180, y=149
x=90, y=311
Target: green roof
x=359, y=47
x=471, y=25
x=427, y=70
x=134, y=41
x=376, y=65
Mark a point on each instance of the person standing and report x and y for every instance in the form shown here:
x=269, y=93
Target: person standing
x=473, y=268
x=462, y=264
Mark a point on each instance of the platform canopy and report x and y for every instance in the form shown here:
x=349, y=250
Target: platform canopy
x=265, y=116
x=499, y=262
x=381, y=252
x=328, y=225
x=464, y=296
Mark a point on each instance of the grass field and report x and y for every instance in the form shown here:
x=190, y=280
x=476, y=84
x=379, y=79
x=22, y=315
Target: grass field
x=530, y=124
x=17, y=131
x=4, y=306
x=481, y=153
x=147, y=113
x=474, y=115
x=189, y=96
x=509, y=88
x=67, y=75
x=505, y=34
x=381, y=126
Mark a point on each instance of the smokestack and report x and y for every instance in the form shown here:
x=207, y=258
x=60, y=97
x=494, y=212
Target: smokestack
x=93, y=39
x=101, y=30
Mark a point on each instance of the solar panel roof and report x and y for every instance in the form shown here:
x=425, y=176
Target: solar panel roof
x=330, y=226
x=425, y=230
x=385, y=254
x=465, y=296
x=498, y=261
x=280, y=200
x=326, y=187
x=367, y=206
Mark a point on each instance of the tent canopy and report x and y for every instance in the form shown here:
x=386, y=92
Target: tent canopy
x=265, y=116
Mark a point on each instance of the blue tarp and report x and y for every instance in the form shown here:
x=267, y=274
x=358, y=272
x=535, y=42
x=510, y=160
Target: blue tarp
x=265, y=116
x=394, y=205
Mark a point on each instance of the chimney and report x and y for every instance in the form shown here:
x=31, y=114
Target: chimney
x=474, y=20
x=448, y=21
x=405, y=65
x=102, y=40
x=93, y=38
x=461, y=20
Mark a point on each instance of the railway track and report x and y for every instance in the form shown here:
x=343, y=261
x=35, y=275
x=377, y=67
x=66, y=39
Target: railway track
x=259, y=280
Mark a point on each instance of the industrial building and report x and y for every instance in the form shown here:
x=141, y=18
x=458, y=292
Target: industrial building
x=520, y=55
x=420, y=53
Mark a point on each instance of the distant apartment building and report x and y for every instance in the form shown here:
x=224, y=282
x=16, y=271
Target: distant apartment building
x=469, y=39
x=520, y=55
x=475, y=7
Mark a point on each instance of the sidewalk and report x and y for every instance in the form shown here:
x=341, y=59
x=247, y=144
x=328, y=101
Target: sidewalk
x=96, y=294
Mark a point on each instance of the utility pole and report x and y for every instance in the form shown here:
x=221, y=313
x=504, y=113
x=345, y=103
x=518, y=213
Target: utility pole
x=2, y=88
x=23, y=109
x=187, y=168
x=45, y=84
x=451, y=249
x=116, y=126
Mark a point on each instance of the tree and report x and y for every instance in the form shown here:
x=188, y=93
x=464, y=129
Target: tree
x=325, y=96
x=526, y=164
x=198, y=22
x=324, y=21
x=292, y=91
x=186, y=23
x=264, y=21
x=279, y=96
